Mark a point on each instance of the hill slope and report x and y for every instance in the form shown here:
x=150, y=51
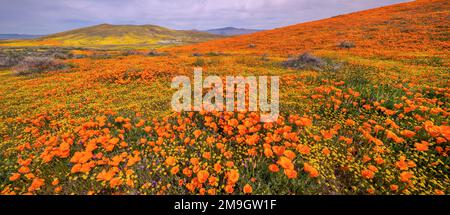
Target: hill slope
x=231, y=31
x=106, y=34
x=407, y=27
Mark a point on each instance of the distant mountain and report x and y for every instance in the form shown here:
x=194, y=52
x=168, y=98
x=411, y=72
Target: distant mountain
x=231, y=31
x=106, y=35
x=18, y=36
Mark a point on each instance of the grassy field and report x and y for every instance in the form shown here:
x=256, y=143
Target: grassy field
x=373, y=120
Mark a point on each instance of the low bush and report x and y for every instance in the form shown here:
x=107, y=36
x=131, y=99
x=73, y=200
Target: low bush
x=215, y=54
x=131, y=52
x=347, y=45
x=305, y=61
x=36, y=65
x=154, y=53
x=100, y=55
x=199, y=62
x=9, y=59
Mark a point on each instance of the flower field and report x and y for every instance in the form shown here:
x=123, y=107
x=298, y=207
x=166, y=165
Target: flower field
x=374, y=121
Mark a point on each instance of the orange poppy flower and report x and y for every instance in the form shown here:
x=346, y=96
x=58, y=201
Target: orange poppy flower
x=394, y=187
x=289, y=154
x=36, y=184
x=303, y=121
x=232, y=176
x=372, y=168
x=439, y=192
x=285, y=163
x=303, y=149
x=170, y=161
x=406, y=176
x=350, y=122
x=445, y=131
x=14, y=177
x=212, y=181
x=147, y=129
x=368, y=174
x=29, y=176
x=248, y=189
x=194, y=161
x=174, y=170
x=24, y=170
x=408, y=133
x=229, y=189
x=217, y=167
x=268, y=152
x=197, y=133
x=187, y=172
x=76, y=168
x=211, y=191
x=311, y=170
x=274, y=168
x=433, y=130
x=119, y=119
x=114, y=182
x=202, y=176
x=290, y=173
x=57, y=189
x=402, y=164
x=366, y=159
x=278, y=150
x=207, y=155
x=229, y=164
x=423, y=146
x=106, y=175
x=327, y=134
x=379, y=160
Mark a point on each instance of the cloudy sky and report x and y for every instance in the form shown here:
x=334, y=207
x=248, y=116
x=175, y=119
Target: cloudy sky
x=50, y=16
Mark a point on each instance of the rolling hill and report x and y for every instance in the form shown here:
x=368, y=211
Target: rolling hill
x=397, y=29
x=118, y=35
x=231, y=31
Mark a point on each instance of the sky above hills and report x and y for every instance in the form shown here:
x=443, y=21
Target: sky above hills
x=50, y=16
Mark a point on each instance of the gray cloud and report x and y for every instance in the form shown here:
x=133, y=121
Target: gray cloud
x=50, y=16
